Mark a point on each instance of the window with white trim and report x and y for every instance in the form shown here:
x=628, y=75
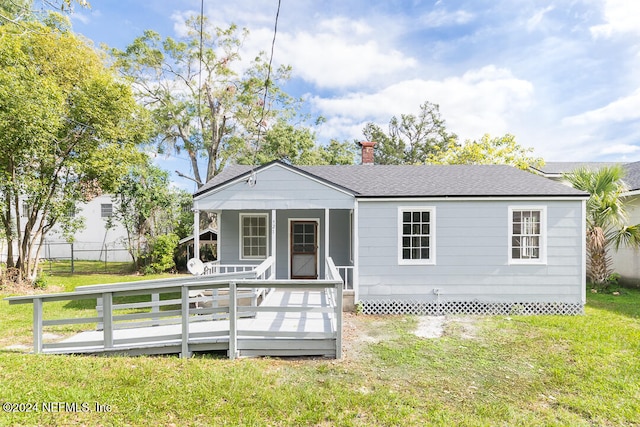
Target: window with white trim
x=527, y=235
x=253, y=236
x=416, y=232
x=106, y=210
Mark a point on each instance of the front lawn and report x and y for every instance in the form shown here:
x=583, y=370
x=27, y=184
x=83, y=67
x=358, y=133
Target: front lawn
x=500, y=370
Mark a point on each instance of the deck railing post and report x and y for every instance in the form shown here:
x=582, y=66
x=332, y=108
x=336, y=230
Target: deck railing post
x=99, y=310
x=107, y=319
x=37, y=325
x=155, y=297
x=185, y=322
x=339, y=321
x=233, y=320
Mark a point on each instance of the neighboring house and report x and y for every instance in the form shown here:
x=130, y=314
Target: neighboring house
x=555, y=170
x=95, y=241
x=625, y=261
x=416, y=239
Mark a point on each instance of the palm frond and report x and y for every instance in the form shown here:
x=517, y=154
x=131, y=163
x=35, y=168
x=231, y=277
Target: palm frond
x=628, y=236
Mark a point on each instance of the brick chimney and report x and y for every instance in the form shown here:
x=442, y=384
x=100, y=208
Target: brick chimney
x=367, y=152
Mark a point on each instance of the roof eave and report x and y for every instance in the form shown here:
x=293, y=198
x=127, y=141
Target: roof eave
x=479, y=196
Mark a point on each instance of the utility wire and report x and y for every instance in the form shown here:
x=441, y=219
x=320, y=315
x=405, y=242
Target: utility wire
x=266, y=83
x=252, y=177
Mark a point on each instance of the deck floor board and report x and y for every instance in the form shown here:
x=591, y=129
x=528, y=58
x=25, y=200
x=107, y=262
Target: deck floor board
x=282, y=326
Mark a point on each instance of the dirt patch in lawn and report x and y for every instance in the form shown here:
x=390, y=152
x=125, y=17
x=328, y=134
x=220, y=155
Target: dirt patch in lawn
x=360, y=330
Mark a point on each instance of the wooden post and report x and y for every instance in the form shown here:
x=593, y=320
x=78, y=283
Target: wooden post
x=99, y=310
x=339, y=321
x=155, y=297
x=185, y=322
x=196, y=234
x=273, y=239
x=233, y=321
x=37, y=325
x=107, y=319
x=356, y=254
x=326, y=239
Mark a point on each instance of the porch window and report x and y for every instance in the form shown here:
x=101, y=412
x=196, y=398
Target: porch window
x=527, y=235
x=253, y=236
x=416, y=232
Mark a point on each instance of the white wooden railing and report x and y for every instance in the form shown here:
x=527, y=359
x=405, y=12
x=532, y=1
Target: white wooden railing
x=215, y=267
x=346, y=273
x=173, y=305
x=262, y=271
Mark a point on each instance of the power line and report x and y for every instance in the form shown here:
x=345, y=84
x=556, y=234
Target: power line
x=252, y=179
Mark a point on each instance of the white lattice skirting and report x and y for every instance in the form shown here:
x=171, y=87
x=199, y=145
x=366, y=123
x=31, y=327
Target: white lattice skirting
x=431, y=308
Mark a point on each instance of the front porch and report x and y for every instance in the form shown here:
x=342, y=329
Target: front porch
x=243, y=312
x=298, y=240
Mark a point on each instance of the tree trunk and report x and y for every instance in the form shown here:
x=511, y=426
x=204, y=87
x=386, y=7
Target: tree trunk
x=598, y=261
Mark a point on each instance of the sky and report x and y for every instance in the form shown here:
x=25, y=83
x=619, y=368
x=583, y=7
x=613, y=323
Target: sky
x=562, y=76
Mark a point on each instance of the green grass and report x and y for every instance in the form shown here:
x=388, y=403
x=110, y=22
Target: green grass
x=66, y=267
x=517, y=370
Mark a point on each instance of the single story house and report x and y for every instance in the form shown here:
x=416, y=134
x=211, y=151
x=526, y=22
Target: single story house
x=429, y=239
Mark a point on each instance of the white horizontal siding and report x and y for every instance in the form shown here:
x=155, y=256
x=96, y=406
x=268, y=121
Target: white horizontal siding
x=472, y=259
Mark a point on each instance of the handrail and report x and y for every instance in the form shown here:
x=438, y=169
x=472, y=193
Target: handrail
x=234, y=286
x=264, y=266
x=333, y=271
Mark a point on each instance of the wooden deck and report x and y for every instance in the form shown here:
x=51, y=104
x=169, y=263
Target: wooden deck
x=242, y=313
x=272, y=332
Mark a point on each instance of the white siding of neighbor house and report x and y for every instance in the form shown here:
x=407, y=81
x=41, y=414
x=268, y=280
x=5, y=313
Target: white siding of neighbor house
x=94, y=241
x=471, y=254
x=276, y=187
x=626, y=261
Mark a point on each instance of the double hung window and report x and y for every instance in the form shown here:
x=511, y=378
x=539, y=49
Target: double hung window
x=253, y=236
x=416, y=232
x=527, y=235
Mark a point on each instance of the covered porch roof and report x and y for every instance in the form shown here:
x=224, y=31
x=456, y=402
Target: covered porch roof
x=208, y=235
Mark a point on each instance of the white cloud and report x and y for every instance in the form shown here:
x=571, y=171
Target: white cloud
x=536, y=19
x=337, y=53
x=621, y=16
x=443, y=18
x=627, y=108
x=334, y=60
x=620, y=149
x=81, y=17
x=475, y=103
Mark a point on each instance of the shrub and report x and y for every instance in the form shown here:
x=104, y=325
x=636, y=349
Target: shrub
x=161, y=254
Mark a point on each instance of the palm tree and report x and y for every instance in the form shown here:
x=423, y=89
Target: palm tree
x=606, y=218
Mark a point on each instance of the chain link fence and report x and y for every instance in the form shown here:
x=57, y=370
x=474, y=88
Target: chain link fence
x=85, y=257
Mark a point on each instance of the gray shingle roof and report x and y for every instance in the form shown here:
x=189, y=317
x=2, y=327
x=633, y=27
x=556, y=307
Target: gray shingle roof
x=422, y=181
x=558, y=168
x=632, y=177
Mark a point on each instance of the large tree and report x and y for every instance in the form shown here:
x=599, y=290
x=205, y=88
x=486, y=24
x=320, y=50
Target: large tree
x=411, y=139
x=298, y=146
x=502, y=150
x=606, y=218
x=68, y=131
x=203, y=106
x=16, y=11
x=147, y=206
